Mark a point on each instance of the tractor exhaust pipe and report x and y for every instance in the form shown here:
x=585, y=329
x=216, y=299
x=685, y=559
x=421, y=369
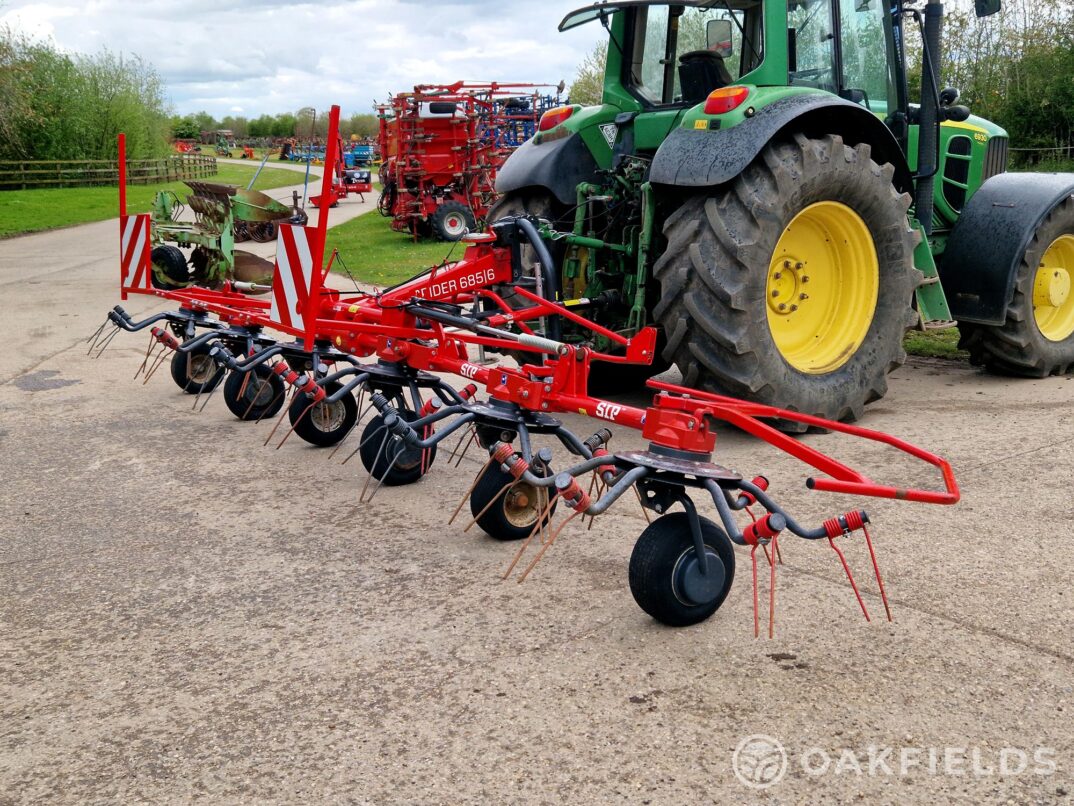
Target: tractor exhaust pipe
x=928, y=120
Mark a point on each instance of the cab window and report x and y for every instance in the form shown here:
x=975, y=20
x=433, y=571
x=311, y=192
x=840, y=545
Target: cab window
x=665, y=34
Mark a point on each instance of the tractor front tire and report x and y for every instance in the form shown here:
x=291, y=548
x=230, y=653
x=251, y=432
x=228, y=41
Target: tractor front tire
x=792, y=285
x=1037, y=340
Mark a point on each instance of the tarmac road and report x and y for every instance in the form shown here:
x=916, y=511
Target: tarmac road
x=186, y=614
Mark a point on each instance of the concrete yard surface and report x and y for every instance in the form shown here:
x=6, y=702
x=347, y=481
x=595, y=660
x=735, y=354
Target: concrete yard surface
x=186, y=614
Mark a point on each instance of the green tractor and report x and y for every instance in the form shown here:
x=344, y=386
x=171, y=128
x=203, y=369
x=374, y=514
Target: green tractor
x=757, y=184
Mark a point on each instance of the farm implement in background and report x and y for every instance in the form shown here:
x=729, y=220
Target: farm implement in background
x=379, y=364
x=223, y=216
x=441, y=146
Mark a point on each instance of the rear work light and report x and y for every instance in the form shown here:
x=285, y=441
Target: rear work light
x=553, y=117
x=725, y=99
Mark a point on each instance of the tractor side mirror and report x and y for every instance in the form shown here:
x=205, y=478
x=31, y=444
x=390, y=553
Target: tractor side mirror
x=718, y=38
x=948, y=95
x=986, y=8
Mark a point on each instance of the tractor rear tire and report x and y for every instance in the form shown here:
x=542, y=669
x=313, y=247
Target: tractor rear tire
x=169, y=269
x=1037, y=340
x=804, y=206
x=451, y=220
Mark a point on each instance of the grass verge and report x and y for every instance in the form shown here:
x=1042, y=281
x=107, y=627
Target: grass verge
x=935, y=344
x=375, y=253
x=23, y=211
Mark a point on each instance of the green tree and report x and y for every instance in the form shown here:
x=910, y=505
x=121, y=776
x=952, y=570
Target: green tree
x=588, y=85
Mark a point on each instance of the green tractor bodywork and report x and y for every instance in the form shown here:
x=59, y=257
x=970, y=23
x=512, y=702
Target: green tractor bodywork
x=747, y=148
x=223, y=215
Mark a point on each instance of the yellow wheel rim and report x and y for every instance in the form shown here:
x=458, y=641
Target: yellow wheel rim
x=1053, y=297
x=822, y=287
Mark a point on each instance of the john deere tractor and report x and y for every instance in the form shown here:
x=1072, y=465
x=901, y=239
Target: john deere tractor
x=757, y=184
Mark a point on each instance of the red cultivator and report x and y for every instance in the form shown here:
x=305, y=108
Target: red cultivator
x=393, y=348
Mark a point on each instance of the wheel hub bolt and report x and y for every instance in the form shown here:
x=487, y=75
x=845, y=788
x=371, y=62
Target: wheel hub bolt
x=775, y=293
x=783, y=306
x=803, y=296
x=799, y=265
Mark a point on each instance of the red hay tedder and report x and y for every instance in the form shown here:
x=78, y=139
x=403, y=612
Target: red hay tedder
x=441, y=146
x=400, y=348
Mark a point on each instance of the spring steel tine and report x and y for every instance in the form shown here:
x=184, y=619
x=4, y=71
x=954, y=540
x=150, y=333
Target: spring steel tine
x=361, y=444
x=644, y=510
x=380, y=482
x=209, y=396
x=97, y=336
x=876, y=570
x=257, y=394
x=850, y=577
x=525, y=544
x=466, y=495
x=361, y=401
x=547, y=546
x=488, y=506
x=98, y=331
x=592, y=485
x=105, y=343
x=361, y=495
x=279, y=420
x=156, y=365
x=145, y=361
x=294, y=425
x=471, y=441
x=756, y=599
x=772, y=590
x=281, y=393
x=197, y=397
x=458, y=445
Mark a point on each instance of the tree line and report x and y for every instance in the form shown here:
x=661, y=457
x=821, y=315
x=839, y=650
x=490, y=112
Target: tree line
x=306, y=122
x=59, y=107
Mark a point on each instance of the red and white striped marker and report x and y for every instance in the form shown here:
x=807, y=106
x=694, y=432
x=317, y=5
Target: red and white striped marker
x=294, y=277
x=134, y=253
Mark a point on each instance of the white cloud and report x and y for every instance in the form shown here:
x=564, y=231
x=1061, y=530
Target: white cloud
x=274, y=56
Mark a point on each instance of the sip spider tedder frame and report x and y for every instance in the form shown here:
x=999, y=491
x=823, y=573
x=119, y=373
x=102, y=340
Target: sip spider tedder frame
x=394, y=349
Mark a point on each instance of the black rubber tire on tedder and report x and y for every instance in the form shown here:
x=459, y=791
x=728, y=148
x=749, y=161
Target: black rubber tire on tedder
x=388, y=459
x=194, y=372
x=508, y=518
x=715, y=270
x=1018, y=347
x=324, y=424
x=664, y=555
x=255, y=394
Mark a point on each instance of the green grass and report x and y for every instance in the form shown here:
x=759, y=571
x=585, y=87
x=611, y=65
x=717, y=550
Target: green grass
x=375, y=253
x=24, y=211
x=934, y=344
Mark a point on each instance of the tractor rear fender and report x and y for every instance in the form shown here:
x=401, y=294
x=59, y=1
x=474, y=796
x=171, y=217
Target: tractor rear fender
x=698, y=158
x=980, y=262
x=558, y=165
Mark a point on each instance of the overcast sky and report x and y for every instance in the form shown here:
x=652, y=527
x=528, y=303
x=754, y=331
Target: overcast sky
x=271, y=56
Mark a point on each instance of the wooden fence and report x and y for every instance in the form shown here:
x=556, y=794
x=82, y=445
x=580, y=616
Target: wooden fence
x=27, y=174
